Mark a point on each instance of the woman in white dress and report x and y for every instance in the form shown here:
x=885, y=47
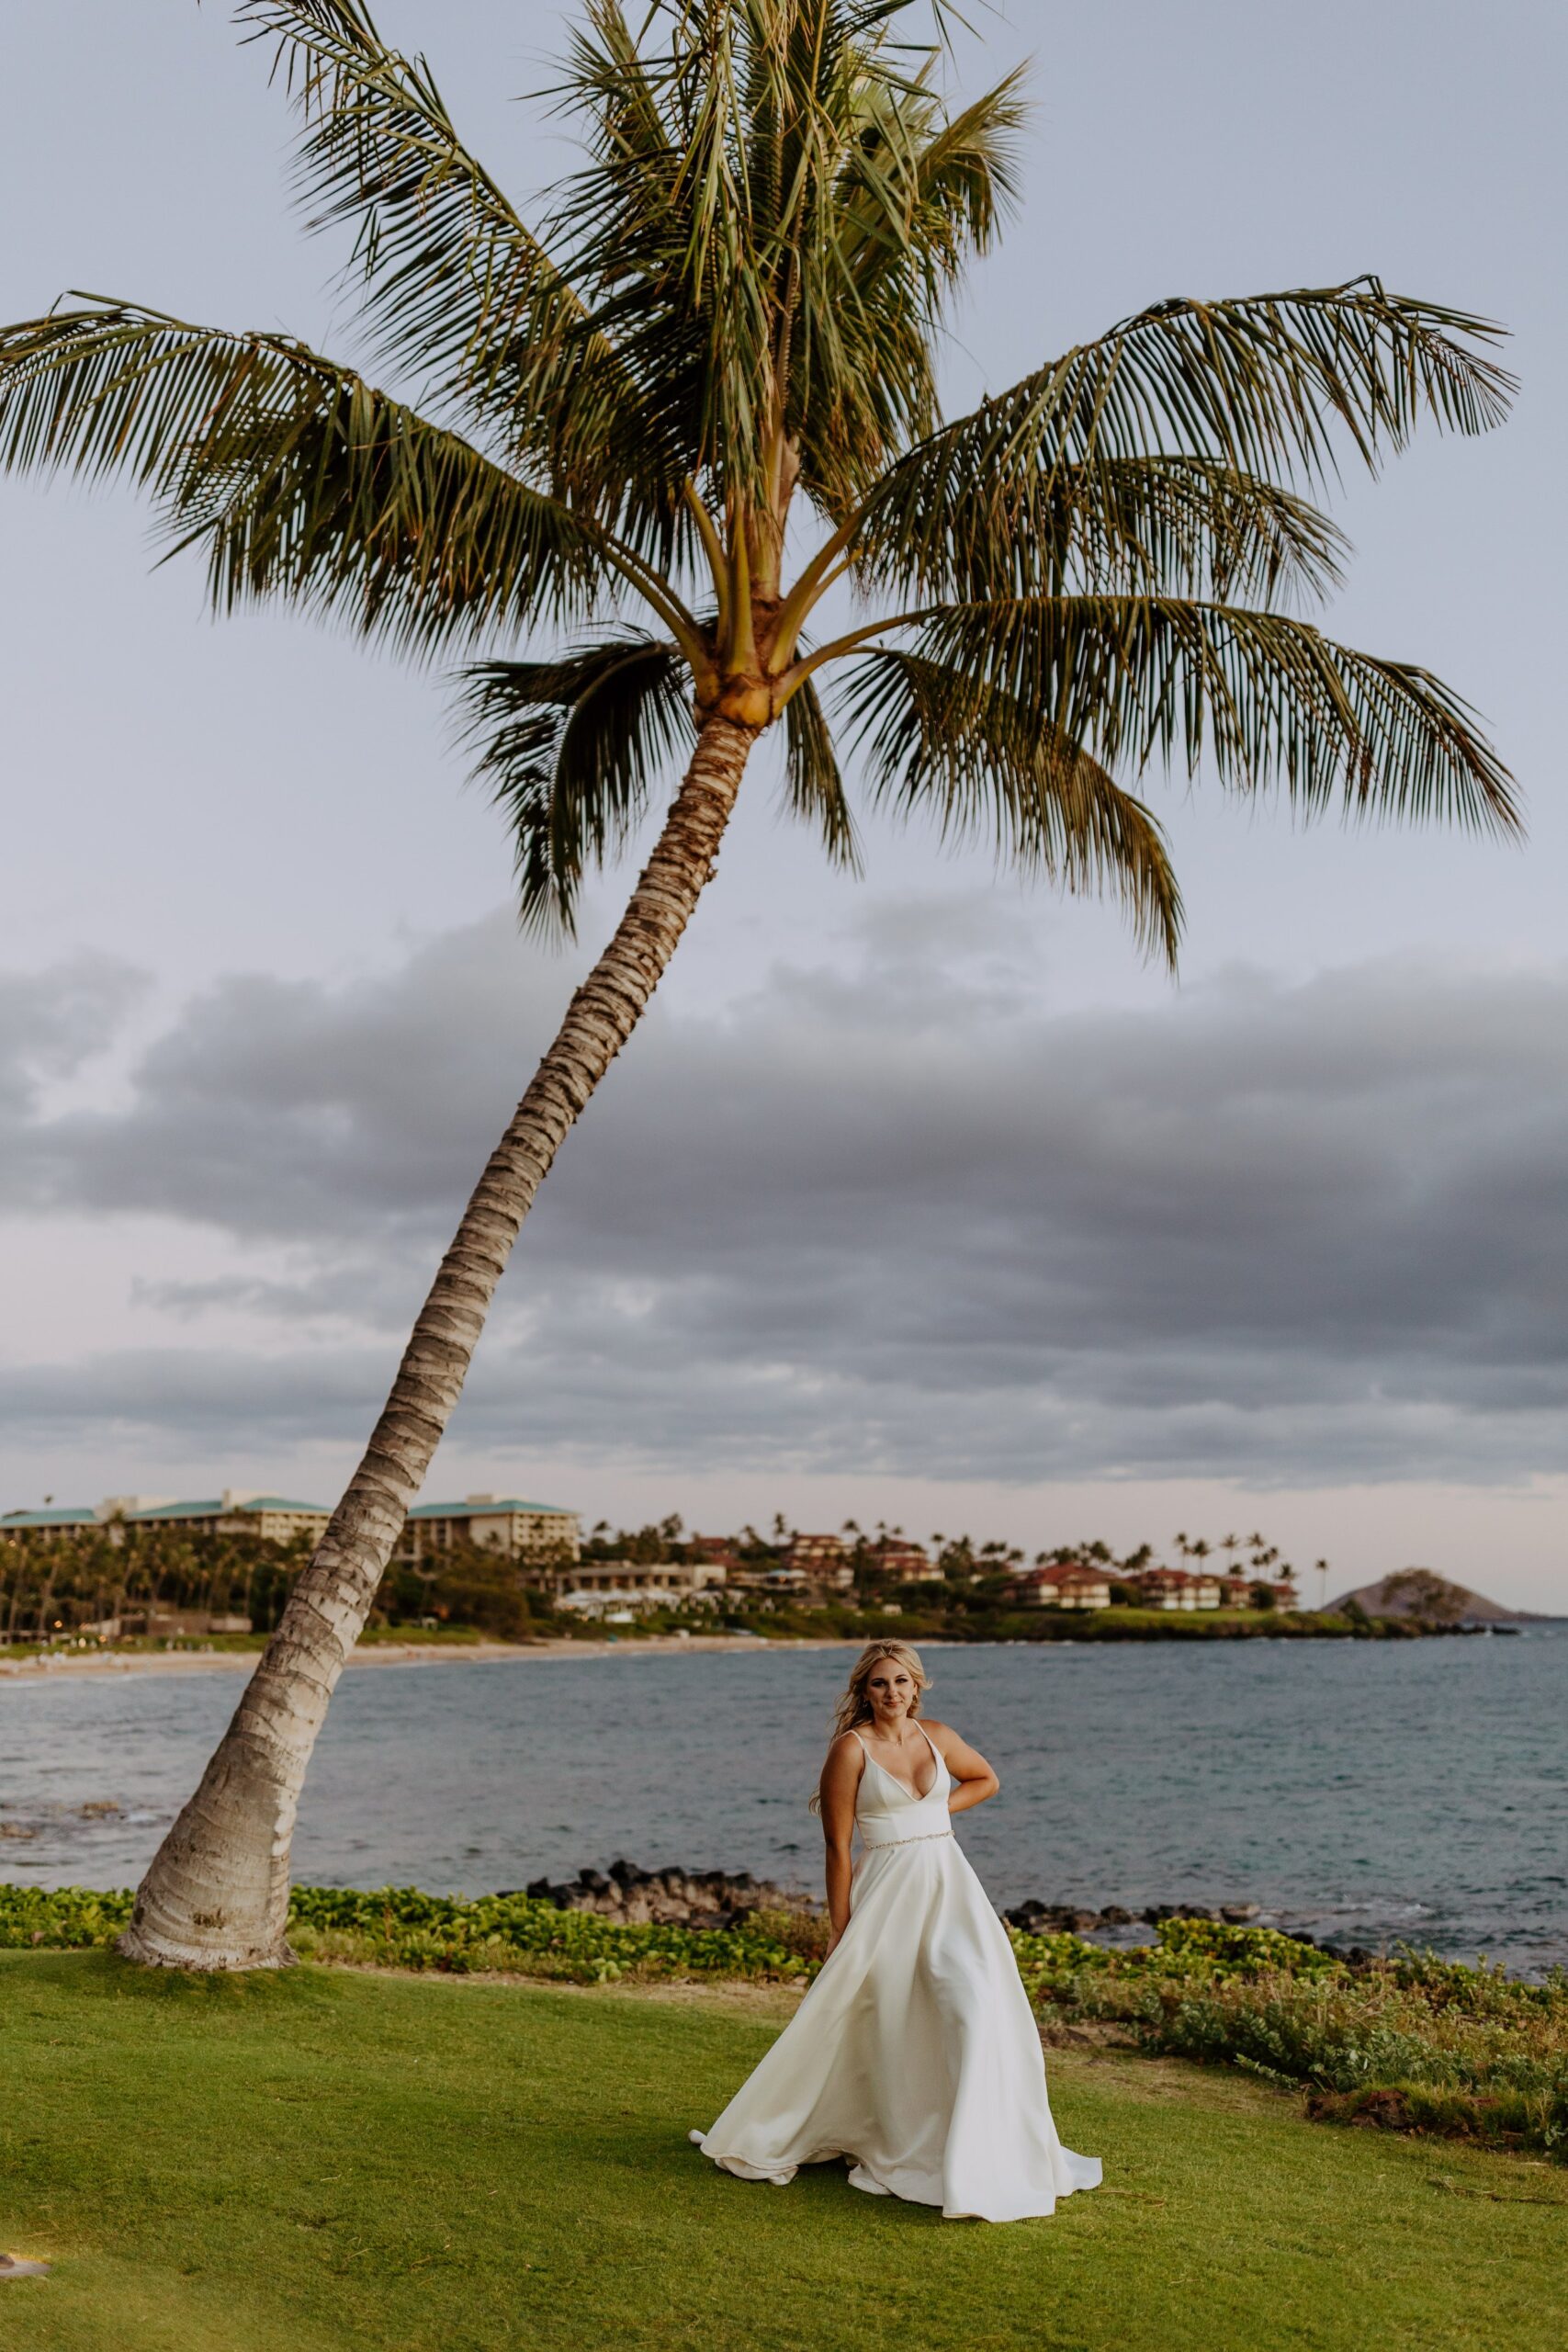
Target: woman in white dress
x=914, y=2052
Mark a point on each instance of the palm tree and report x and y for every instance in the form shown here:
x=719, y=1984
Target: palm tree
x=662, y=423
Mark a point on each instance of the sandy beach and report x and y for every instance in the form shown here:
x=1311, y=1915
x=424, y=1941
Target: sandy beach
x=69, y=1664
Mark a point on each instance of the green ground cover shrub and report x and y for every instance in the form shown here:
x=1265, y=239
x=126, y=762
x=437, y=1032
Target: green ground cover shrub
x=521, y=1934
x=63, y=1919
x=1409, y=2043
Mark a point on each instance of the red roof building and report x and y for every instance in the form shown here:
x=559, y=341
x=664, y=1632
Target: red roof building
x=1176, y=1589
x=902, y=1563
x=719, y=1551
x=1066, y=1584
x=824, y=1559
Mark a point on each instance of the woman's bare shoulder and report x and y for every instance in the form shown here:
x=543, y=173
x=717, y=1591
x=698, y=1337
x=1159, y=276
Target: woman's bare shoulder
x=938, y=1730
x=846, y=1744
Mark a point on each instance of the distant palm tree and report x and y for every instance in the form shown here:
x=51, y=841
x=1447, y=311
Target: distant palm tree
x=666, y=420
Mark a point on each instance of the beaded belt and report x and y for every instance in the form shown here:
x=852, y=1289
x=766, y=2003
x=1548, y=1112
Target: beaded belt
x=876, y=1845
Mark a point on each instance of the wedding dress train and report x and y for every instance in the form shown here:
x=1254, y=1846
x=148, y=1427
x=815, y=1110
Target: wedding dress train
x=914, y=2053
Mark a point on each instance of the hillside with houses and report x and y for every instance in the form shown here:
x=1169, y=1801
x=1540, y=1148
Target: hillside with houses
x=805, y=1571
x=138, y=1570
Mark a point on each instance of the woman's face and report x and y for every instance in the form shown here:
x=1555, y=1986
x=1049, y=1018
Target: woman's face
x=891, y=1690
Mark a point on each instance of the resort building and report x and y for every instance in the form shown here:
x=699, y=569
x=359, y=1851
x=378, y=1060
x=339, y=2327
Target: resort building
x=540, y=1534
x=718, y=1550
x=78, y=1519
x=1068, y=1584
x=821, y=1559
x=783, y=1580
x=276, y=1519
x=1176, y=1589
x=273, y=1518
x=598, y=1588
x=902, y=1563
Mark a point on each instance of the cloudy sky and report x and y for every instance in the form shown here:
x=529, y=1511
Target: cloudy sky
x=918, y=1197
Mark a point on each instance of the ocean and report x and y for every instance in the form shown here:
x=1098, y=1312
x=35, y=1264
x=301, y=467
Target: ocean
x=1364, y=1791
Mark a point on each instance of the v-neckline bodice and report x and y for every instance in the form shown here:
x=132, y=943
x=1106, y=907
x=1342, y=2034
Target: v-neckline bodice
x=913, y=1795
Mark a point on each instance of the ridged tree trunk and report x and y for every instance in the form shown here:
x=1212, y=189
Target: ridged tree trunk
x=216, y=1892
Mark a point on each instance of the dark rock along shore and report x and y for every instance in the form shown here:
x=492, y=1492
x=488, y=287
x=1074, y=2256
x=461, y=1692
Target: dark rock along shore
x=672, y=1897
x=676, y=1897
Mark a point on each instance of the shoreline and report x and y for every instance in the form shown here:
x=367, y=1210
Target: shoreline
x=107, y=1663
x=100, y=1665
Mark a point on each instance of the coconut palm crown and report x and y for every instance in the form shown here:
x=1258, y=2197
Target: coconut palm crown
x=694, y=399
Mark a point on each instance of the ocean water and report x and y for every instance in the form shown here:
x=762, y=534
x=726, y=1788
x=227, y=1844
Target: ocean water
x=1366, y=1791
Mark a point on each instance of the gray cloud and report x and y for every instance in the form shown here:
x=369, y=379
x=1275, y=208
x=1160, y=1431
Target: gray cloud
x=898, y=1215
x=52, y=1025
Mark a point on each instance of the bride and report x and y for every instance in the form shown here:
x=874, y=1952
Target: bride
x=914, y=2052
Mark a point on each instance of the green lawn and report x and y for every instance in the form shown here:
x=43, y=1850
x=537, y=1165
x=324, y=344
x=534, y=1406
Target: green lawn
x=327, y=2161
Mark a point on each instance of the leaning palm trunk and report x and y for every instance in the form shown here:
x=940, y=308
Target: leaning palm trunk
x=216, y=1894
x=725, y=329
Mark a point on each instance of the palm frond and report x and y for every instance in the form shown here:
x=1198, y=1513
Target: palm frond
x=455, y=284
x=1188, y=527
x=940, y=196
x=775, y=210
x=660, y=226
x=1270, y=700
x=1271, y=387
x=813, y=782
x=1161, y=525
x=297, y=478
x=943, y=740
x=915, y=197
x=571, y=749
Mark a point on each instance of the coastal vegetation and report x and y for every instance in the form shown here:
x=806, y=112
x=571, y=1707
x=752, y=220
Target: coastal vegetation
x=161, y=1588
x=62, y=1588
x=333, y=2160
x=664, y=420
x=1406, y=2041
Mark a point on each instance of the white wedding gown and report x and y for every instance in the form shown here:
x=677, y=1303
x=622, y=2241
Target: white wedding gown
x=914, y=2053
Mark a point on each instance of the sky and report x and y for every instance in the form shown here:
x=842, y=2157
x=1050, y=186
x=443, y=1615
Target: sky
x=919, y=1197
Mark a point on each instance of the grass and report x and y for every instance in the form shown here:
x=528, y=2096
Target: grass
x=328, y=2161
x=1408, y=2043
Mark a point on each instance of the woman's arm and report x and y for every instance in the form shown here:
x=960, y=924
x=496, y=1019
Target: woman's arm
x=976, y=1779
x=840, y=1778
